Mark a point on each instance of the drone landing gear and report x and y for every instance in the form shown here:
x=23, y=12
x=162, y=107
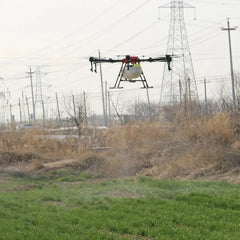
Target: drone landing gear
x=121, y=79
x=144, y=81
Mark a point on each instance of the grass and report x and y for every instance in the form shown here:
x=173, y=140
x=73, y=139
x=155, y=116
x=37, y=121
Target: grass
x=44, y=203
x=82, y=207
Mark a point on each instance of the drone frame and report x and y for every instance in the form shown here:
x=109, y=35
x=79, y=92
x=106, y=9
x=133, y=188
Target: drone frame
x=121, y=79
x=126, y=64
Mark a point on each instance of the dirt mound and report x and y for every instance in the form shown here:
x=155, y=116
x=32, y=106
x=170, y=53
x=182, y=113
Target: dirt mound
x=91, y=163
x=224, y=165
x=9, y=158
x=19, y=164
x=60, y=163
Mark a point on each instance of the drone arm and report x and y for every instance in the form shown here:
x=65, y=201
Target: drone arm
x=167, y=59
x=94, y=62
x=110, y=60
x=102, y=60
x=160, y=59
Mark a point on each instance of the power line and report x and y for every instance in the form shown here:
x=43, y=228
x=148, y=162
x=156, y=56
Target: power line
x=101, y=14
x=72, y=47
x=147, y=28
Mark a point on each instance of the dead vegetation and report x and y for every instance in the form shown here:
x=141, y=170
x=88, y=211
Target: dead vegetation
x=188, y=147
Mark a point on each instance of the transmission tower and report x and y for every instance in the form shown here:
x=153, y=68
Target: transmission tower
x=38, y=87
x=180, y=83
x=39, y=96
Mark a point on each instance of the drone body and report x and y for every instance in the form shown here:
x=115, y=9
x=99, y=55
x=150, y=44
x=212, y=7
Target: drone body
x=130, y=70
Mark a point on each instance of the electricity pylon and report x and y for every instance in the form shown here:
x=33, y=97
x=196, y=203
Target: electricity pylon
x=180, y=83
x=39, y=97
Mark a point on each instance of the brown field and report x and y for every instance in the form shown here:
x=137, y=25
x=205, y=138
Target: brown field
x=188, y=147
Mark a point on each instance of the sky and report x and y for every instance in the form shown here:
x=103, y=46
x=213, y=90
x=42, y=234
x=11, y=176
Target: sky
x=59, y=36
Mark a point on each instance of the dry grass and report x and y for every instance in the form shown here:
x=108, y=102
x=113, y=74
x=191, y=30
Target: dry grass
x=216, y=129
x=188, y=147
x=34, y=141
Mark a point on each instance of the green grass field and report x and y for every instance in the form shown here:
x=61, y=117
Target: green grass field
x=81, y=207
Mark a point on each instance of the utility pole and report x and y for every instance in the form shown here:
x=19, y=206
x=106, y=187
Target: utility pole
x=109, y=109
x=205, y=96
x=33, y=104
x=28, y=110
x=20, y=111
x=11, y=117
x=41, y=100
x=23, y=108
x=229, y=29
x=149, y=105
x=102, y=87
x=44, y=114
x=74, y=106
x=59, y=116
x=106, y=102
x=85, y=109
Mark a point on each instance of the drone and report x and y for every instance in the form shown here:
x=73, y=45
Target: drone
x=130, y=70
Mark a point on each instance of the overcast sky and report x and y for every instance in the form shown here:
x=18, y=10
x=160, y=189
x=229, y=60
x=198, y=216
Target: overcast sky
x=60, y=35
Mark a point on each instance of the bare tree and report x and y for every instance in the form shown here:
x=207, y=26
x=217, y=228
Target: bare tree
x=142, y=111
x=75, y=112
